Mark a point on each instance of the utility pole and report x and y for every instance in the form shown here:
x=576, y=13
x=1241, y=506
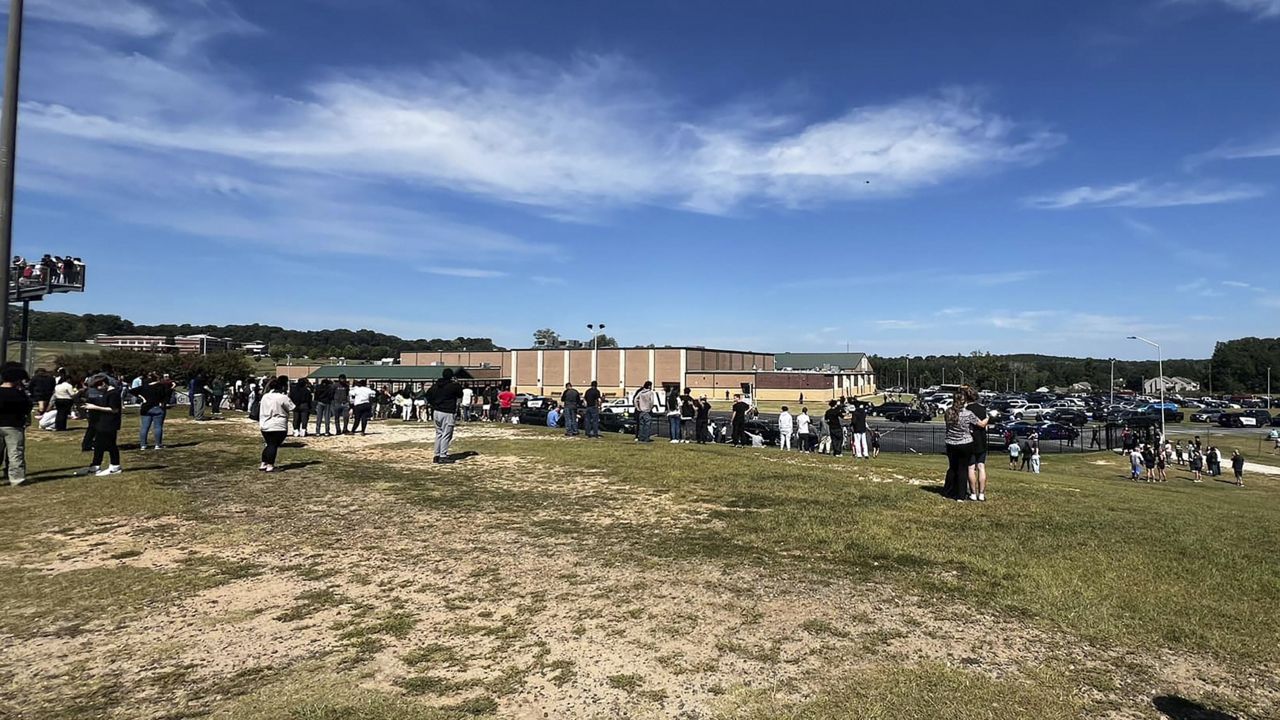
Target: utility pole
x=1113, y=381
x=9, y=157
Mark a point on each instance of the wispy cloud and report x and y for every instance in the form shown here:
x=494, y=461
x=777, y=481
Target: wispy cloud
x=900, y=324
x=1003, y=278
x=1242, y=285
x=564, y=138
x=464, y=272
x=547, y=280
x=1145, y=194
x=1263, y=9
x=1199, y=287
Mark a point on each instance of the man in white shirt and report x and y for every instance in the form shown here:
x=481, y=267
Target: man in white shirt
x=804, y=431
x=467, y=395
x=786, y=424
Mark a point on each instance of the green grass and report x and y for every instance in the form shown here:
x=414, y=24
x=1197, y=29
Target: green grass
x=1075, y=551
x=911, y=693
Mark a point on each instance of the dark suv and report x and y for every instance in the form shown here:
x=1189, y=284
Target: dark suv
x=1261, y=418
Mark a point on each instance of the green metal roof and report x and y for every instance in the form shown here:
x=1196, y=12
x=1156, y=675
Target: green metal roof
x=388, y=373
x=812, y=361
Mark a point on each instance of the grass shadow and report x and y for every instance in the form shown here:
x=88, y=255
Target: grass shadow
x=1179, y=708
x=297, y=465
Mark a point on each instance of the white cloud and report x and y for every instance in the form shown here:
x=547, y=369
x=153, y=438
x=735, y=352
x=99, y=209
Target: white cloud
x=566, y=139
x=128, y=17
x=1002, y=278
x=1257, y=8
x=1199, y=287
x=1144, y=194
x=899, y=324
x=464, y=272
x=1242, y=285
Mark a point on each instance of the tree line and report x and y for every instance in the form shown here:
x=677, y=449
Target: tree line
x=1237, y=366
x=350, y=344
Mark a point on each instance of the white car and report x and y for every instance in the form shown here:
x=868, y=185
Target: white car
x=1029, y=411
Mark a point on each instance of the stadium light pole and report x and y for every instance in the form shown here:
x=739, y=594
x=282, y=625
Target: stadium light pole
x=595, y=348
x=1160, y=366
x=9, y=156
x=1113, y=382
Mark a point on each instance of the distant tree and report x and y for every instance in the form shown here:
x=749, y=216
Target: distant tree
x=605, y=341
x=545, y=336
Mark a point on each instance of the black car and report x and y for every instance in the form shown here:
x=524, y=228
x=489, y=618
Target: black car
x=1138, y=420
x=1260, y=418
x=889, y=408
x=1056, y=431
x=908, y=415
x=1067, y=416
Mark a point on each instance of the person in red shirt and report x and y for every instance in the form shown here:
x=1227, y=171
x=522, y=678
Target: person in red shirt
x=505, y=399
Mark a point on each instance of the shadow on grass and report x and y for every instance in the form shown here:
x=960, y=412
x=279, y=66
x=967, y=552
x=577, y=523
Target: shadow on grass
x=459, y=457
x=1178, y=708
x=297, y=465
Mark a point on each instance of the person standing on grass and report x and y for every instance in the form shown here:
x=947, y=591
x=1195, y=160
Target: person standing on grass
x=835, y=424
x=1196, y=461
x=1177, y=451
x=592, y=400
x=960, y=422
x=505, y=400
x=341, y=409
x=15, y=415
x=1135, y=464
x=804, y=430
x=978, y=461
x=155, y=395
x=858, y=427
x=688, y=417
x=361, y=406
x=1237, y=467
x=302, y=398
x=673, y=414
x=571, y=399
x=738, y=420
x=644, y=404
x=217, y=390
x=786, y=424
x=703, y=420
x=1094, y=440
x=104, y=414
x=324, y=407
x=274, y=411
x=1162, y=462
x=443, y=397
x=64, y=397
x=1014, y=451
x=1149, y=462
x=1035, y=459
x=1215, y=461
x=875, y=443
x=41, y=388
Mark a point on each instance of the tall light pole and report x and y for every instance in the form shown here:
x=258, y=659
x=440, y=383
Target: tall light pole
x=1113, y=382
x=595, y=348
x=1268, y=388
x=1160, y=366
x=9, y=157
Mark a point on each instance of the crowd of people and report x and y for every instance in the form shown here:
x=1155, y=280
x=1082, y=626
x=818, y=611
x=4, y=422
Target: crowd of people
x=284, y=408
x=58, y=270
x=1149, y=461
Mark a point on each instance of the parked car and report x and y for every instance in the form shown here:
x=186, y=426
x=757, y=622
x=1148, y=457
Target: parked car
x=1030, y=411
x=889, y=408
x=1020, y=428
x=908, y=415
x=609, y=422
x=1067, y=416
x=1207, y=415
x=1056, y=431
x=1245, y=418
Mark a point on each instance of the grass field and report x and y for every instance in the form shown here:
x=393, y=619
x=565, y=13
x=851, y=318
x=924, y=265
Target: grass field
x=548, y=577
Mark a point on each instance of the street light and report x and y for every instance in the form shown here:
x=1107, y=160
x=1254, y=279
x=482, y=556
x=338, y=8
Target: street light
x=1160, y=366
x=8, y=158
x=1113, y=382
x=595, y=347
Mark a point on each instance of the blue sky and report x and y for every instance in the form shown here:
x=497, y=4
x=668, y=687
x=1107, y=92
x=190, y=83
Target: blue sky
x=925, y=177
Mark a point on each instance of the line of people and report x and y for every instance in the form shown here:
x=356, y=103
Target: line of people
x=1149, y=462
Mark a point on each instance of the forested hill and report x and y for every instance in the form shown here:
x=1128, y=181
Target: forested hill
x=1237, y=366
x=353, y=344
